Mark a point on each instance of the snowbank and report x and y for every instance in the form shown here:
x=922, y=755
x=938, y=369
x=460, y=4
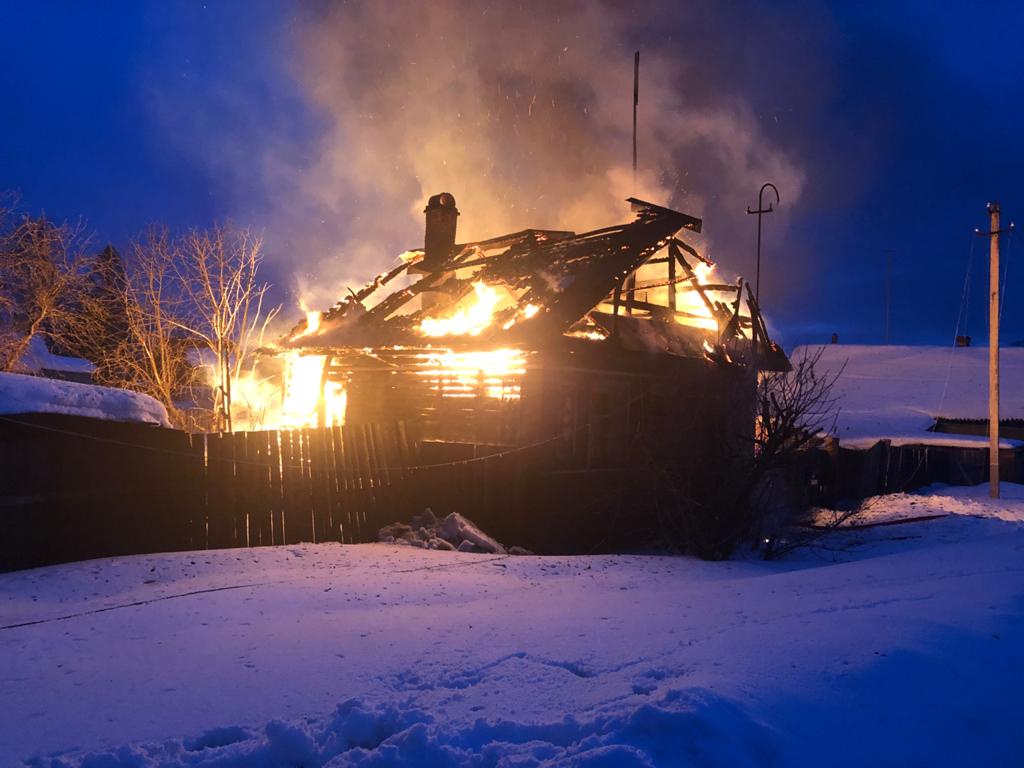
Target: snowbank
x=909, y=645
x=896, y=393
x=21, y=394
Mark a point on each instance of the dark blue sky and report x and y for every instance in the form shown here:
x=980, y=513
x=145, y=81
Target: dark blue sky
x=906, y=118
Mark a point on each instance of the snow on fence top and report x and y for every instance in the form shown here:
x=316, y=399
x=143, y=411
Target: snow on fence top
x=897, y=393
x=21, y=394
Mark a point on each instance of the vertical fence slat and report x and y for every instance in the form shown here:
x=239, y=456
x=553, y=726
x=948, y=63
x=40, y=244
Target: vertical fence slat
x=342, y=505
x=289, y=487
x=197, y=478
x=276, y=489
x=305, y=494
x=317, y=495
x=261, y=511
x=243, y=489
x=218, y=472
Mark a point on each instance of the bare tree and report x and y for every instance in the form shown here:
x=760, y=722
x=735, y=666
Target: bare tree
x=148, y=325
x=191, y=303
x=42, y=273
x=218, y=270
x=154, y=355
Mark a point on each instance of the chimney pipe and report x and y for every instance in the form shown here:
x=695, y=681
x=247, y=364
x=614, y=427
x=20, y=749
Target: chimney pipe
x=439, y=235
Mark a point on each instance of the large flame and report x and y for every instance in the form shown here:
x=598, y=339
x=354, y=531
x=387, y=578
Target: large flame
x=292, y=400
x=312, y=322
x=307, y=392
x=473, y=316
x=690, y=300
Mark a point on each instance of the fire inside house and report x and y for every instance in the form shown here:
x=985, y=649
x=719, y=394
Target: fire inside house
x=460, y=346
x=574, y=346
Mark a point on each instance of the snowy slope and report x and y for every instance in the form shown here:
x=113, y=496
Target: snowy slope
x=896, y=393
x=904, y=649
x=34, y=394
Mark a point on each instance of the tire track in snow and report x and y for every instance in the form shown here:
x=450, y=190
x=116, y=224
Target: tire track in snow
x=131, y=605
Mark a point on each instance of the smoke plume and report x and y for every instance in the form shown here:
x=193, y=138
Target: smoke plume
x=523, y=112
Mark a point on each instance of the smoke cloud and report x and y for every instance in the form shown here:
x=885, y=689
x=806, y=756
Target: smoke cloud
x=523, y=112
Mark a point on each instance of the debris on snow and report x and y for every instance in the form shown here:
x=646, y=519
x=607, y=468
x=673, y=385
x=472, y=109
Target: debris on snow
x=454, y=532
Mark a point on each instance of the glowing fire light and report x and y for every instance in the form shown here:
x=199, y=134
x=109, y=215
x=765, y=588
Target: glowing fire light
x=493, y=374
x=471, y=319
x=691, y=302
x=302, y=377
x=301, y=406
x=594, y=334
x=312, y=322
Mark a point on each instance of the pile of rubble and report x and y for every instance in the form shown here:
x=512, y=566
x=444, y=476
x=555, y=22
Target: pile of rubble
x=454, y=533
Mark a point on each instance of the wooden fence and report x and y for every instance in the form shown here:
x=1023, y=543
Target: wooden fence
x=848, y=474
x=73, y=488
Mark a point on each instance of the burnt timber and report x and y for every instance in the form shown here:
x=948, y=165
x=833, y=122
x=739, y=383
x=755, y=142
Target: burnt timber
x=590, y=362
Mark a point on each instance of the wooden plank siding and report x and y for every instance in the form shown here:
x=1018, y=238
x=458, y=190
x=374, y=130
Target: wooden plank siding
x=73, y=488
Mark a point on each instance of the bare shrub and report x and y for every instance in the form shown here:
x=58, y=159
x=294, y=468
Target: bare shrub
x=738, y=481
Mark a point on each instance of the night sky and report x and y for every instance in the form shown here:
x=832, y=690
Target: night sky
x=905, y=119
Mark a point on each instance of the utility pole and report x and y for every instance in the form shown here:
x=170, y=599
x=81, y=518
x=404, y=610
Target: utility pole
x=631, y=280
x=993, y=347
x=636, y=101
x=759, y=212
x=888, y=294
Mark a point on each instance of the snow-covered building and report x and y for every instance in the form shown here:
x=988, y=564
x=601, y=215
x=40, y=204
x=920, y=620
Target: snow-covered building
x=908, y=416
x=38, y=360
x=22, y=395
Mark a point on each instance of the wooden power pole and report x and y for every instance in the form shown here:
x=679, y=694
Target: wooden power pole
x=993, y=348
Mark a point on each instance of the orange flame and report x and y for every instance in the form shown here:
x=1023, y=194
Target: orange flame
x=494, y=373
x=471, y=319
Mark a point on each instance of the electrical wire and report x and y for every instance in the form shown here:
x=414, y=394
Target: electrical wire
x=1006, y=269
x=962, y=313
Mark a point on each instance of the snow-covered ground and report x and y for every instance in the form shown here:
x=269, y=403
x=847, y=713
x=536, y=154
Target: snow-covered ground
x=20, y=394
x=889, y=645
x=896, y=393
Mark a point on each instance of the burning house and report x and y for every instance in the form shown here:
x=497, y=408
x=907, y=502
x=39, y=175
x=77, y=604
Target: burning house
x=554, y=351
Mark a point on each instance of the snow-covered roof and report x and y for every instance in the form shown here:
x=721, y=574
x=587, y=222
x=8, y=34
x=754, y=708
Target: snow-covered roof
x=38, y=358
x=897, y=393
x=21, y=394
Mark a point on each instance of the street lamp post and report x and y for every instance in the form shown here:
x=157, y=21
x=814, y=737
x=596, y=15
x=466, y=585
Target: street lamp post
x=759, y=212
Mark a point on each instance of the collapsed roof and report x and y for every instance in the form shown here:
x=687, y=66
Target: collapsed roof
x=539, y=286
